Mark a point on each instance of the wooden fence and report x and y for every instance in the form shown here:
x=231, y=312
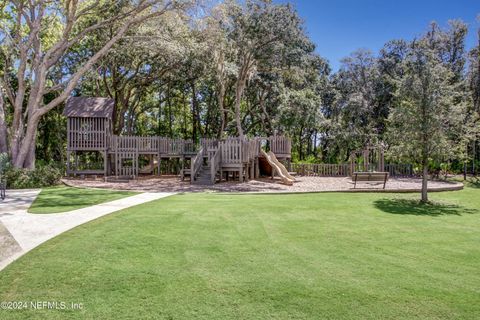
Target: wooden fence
x=344, y=169
x=399, y=169
x=321, y=169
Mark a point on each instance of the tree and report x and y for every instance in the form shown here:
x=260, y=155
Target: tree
x=33, y=54
x=262, y=33
x=356, y=85
x=419, y=123
x=473, y=81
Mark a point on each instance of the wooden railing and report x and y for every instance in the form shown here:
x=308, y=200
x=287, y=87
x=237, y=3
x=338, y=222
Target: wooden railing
x=321, y=169
x=280, y=145
x=253, y=149
x=237, y=151
x=171, y=146
x=196, y=164
x=399, y=169
x=231, y=151
x=153, y=145
x=92, y=140
x=124, y=143
x=126, y=170
x=209, y=143
x=215, y=162
x=148, y=144
x=189, y=147
x=87, y=133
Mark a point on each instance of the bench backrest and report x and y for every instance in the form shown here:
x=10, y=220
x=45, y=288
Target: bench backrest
x=370, y=176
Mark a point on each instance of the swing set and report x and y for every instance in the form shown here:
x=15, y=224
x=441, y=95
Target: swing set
x=368, y=164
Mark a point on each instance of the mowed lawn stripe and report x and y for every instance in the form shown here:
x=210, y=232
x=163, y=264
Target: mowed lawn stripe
x=339, y=256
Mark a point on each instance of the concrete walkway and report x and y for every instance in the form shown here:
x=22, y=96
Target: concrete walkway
x=17, y=201
x=31, y=230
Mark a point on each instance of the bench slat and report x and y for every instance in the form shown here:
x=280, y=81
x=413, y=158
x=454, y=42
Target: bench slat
x=370, y=176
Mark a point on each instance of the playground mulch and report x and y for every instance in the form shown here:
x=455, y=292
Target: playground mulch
x=264, y=185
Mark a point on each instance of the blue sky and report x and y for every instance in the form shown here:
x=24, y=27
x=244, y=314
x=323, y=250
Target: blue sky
x=339, y=27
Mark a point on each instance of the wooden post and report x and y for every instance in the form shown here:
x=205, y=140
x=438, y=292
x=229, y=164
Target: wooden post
x=365, y=160
x=136, y=163
x=252, y=169
x=352, y=163
x=68, y=163
x=105, y=163
x=381, y=161
x=76, y=163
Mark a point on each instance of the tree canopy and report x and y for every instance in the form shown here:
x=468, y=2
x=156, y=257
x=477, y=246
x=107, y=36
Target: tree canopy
x=236, y=68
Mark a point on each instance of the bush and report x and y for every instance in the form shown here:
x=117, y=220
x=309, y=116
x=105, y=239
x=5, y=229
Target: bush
x=42, y=176
x=3, y=162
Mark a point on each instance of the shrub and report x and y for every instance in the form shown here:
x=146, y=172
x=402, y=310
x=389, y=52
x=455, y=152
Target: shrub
x=3, y=162
x=42, y=176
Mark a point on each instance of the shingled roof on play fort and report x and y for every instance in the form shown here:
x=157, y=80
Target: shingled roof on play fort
x=86, y=107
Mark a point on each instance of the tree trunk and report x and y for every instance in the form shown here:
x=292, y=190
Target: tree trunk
x=3, y=125
x=300, y=145
x=238, y=99
x=425, y=183
x=195, y=113
x=474, y=157
x=27, y=145
x=170, y=124
x=30, y=158
x=476, y=99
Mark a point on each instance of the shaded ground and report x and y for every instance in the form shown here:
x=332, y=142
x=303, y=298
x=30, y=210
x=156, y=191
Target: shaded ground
x=289, y=256
x=63, y=199
x=414, y=207
x=17, y=201
x=303, y=184
x=8, y=245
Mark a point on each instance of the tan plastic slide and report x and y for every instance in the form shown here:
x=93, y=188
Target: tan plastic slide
x=279, y=168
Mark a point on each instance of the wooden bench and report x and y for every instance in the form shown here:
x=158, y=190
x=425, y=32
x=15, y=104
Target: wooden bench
x=369, y=177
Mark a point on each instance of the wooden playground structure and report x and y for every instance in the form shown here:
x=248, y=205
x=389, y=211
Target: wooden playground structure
x=89, y=130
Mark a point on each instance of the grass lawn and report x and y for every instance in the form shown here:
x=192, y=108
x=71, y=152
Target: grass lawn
x=62, y=198
x=204, y=256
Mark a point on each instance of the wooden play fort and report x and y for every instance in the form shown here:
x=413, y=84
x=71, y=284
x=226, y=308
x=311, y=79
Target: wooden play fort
x=90, y=136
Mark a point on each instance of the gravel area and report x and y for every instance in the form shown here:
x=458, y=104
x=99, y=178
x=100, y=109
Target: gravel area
x=265, y=185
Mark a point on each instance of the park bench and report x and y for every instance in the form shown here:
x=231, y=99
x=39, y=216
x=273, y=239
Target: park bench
x=370, y=177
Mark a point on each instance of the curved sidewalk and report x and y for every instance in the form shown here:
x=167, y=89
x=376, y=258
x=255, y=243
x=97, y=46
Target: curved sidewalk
x=31, y=230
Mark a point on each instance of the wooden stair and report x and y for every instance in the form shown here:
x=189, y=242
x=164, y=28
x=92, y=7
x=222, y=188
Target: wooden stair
x=204, y=176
